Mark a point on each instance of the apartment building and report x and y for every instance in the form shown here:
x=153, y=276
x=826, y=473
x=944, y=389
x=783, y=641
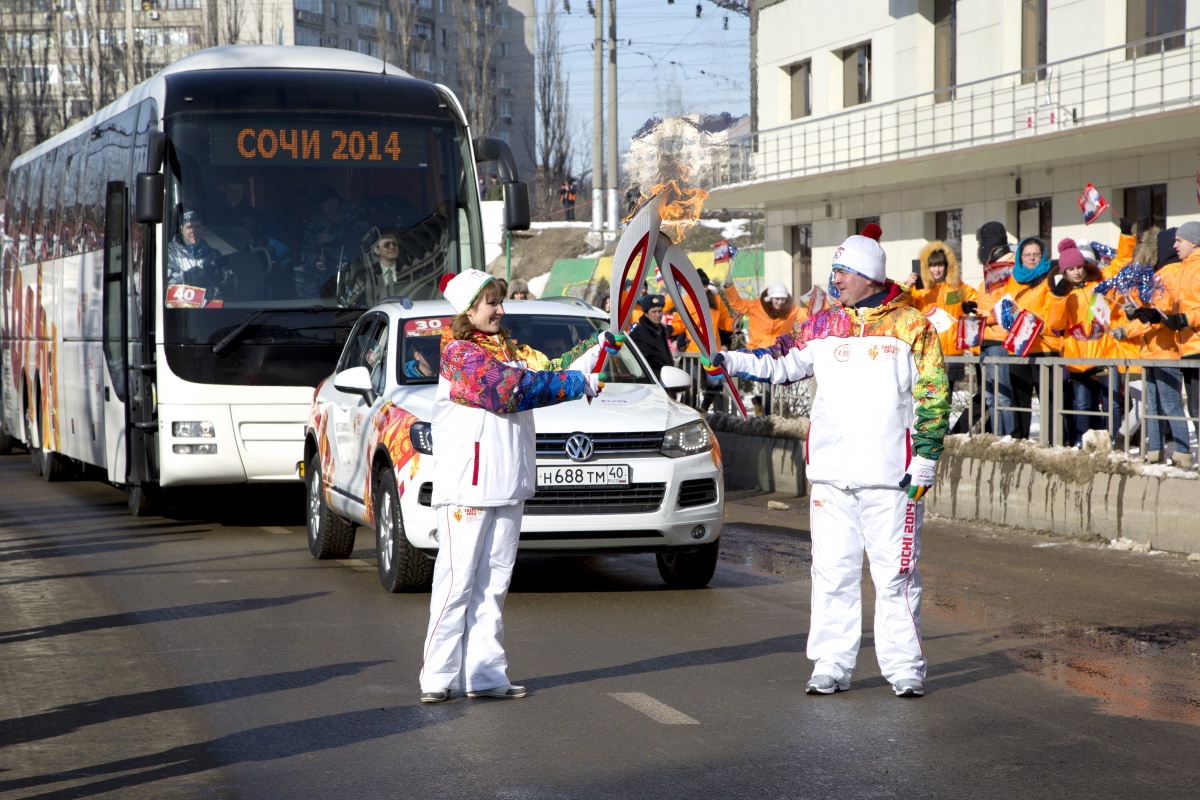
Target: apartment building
x=932, y=117
x=68, y=58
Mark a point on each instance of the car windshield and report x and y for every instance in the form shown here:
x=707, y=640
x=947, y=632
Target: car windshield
x=287, y=210
x=551, y=334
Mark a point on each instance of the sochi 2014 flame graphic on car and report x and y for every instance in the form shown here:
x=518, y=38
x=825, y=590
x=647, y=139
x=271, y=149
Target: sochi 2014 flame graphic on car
x=391, y=428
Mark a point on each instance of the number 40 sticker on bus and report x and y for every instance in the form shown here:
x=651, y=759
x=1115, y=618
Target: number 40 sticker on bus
x=181, y=295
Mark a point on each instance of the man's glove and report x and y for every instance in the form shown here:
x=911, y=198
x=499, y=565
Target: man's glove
x=1062, y=287
x=920, y=476
x=1126, y=226
x=1150, y=316
x=1129, y=309
x=1176, y=322
x=969, y=306
x=593, y=383
x=1118, y=333
x=715, y=367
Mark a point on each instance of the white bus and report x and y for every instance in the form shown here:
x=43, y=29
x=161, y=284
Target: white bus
x=181, y=268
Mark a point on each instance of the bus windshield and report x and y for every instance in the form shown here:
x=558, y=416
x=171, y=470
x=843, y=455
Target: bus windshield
x=281, y=210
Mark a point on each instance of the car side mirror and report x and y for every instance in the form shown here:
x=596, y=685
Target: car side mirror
x=674, y=379
x=356, y=380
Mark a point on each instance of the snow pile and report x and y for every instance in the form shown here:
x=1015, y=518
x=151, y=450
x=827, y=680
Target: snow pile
x=768, y=426
x=1129, y=545
x=1075, y=466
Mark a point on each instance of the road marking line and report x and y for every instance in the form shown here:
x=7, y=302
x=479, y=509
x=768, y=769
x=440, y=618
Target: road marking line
x=659, y=712
x=276, y=529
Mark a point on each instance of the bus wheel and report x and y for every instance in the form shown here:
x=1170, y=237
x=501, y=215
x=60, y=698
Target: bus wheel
x=329, y=536
x=143, y=499
x=55, y=467
x=31, y=444
x=402, y=567
x=6, y=444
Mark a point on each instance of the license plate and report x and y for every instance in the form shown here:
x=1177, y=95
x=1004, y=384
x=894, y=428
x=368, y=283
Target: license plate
x=599, y=475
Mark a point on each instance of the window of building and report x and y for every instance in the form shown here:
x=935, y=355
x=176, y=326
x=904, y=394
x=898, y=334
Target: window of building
x=445, y=34
x=1147, y=19
x=307, y=36
x=945, y=44
x=505, y=19
x=800, y=76
x=423, y=30
x=1033, y=218
x=1033, y=40
x=311, y=6
x=503, y=49
x=856, y=72
x=368, y=16
x=333, y=40
x=947, y=225
x=506, y=110
x=183, y=4
x=502, y=81
x=368, y=48
x=862, y=222
x=1146, y=205
x=801, y=259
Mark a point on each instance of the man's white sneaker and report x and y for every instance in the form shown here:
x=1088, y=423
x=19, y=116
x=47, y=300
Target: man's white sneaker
x=825, y=684
x=908, y=687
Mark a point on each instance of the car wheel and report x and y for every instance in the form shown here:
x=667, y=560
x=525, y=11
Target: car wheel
x=690, y=570
x=329, y=536
x=143, y=499
x=402, y=567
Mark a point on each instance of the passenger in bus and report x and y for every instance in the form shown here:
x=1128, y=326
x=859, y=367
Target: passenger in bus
x=333, y=236
x=191, y=261
x=234, y=210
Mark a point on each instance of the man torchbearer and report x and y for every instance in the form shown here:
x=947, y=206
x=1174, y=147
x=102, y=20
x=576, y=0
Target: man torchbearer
x=877, y=426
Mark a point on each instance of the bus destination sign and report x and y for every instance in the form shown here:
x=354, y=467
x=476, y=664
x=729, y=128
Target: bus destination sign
x=330, y=145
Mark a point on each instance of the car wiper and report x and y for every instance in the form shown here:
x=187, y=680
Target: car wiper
x=232, y=336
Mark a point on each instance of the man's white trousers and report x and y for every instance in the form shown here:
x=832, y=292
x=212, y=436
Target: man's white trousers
x=885, y=524
x=464, y=647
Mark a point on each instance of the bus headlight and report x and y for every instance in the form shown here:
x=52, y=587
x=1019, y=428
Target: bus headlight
x=687, y=440
x=193, y=430
x=194, y=449
x=421, y=434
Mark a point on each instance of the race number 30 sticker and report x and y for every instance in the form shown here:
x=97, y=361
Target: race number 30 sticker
x=184, y=296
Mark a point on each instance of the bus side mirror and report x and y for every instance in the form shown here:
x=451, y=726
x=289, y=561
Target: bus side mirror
x=516, y=206
x=149, y=198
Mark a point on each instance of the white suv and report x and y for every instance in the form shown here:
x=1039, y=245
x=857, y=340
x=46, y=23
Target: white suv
x=634, y=471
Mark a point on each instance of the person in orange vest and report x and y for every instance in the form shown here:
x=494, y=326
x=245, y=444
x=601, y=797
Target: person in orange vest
x=566, y=195
x=772, y=315
x=1025, y=290
x=1084, y=319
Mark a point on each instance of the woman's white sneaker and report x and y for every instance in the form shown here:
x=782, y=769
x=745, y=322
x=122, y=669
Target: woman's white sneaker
x=825, y=684
x=908, y=687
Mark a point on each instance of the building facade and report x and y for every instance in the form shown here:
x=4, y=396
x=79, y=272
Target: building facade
x=932, y=117
x=60, y=60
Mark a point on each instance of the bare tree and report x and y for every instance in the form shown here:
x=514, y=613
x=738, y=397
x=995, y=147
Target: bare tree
x=476, y=41
x=550, y=99
x=401, y=46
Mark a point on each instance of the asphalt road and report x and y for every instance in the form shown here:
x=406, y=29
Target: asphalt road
x=207, y=655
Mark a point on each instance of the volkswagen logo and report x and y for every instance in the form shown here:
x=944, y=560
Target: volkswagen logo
x=579, y=447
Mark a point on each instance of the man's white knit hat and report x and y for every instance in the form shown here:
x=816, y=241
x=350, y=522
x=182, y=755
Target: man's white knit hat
x=462, y=289
x=863, y=256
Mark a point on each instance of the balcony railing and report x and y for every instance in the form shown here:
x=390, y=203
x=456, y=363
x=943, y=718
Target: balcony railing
x=1100, y=87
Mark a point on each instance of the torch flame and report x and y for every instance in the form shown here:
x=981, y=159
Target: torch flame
x=681, y=204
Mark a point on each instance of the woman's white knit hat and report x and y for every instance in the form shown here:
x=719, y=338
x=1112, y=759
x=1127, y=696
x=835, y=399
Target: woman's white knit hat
x=462, y=289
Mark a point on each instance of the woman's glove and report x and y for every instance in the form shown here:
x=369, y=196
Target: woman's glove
x=920, y=476
x=1118, y=333
x=1062, y=287
x=969, y=306
x=593, y=383
x=1176, y=322
x=1150, y=316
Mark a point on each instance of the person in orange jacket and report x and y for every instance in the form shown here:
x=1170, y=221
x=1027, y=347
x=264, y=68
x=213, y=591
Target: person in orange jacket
x=1160, y=341
x=1025, y=290
x=1084, y=319
x=941, y=299
x=772, y=315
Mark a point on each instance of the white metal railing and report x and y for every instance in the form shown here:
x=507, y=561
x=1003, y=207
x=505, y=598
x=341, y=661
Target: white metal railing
x=1100, y=87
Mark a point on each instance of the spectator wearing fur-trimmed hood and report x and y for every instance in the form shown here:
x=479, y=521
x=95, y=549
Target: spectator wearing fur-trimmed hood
x=519, y=290
x=943, y=292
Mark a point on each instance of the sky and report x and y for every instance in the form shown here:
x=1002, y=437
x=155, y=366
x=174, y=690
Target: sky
x=668, y=63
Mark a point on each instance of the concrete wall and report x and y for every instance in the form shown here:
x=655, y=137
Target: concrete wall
x=1161, y=511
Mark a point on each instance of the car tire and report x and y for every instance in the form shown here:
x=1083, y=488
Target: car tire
x=402, y=567
x=689, y=570
x=144, y=499
x=329, y=536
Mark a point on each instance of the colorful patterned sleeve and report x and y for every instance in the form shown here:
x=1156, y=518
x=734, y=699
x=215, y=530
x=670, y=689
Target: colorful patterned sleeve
x=931, y=393
x=575, y=352
x=479, y=381
x=783, y=362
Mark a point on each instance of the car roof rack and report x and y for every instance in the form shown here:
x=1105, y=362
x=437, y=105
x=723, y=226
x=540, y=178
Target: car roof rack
x=568, y=300
x=398, y=298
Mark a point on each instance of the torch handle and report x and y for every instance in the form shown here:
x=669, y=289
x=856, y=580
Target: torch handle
x=733, y=392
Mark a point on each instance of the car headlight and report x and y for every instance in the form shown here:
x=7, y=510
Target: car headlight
x=687, y=440
x=421, y=434
x=193, y=430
